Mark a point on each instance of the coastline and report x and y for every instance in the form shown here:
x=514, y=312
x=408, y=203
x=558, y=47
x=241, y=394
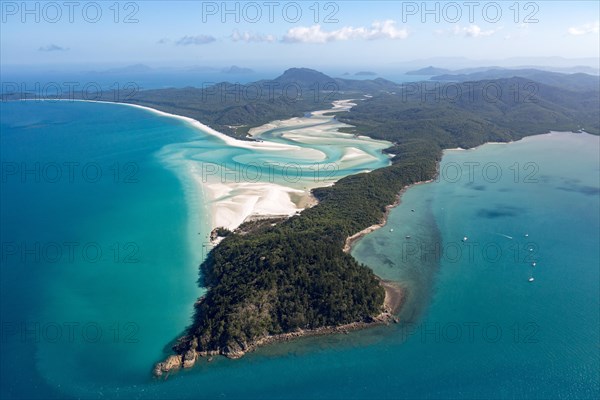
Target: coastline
x=215, y=191
x=351, y=240
x=524, y=138
x=230, y=203
x=395, y=296
x=393, y=299
x=369, y=360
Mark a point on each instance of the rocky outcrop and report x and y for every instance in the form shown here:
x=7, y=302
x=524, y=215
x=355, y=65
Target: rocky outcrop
x=172, y=363
x=189, y=358
x=187, y=346
x=185, y=359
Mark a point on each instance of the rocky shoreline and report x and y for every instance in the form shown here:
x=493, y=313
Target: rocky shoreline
x=395, y=295
x=394, y=299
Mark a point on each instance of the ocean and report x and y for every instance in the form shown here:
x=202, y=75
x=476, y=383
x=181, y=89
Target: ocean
x=102, y=234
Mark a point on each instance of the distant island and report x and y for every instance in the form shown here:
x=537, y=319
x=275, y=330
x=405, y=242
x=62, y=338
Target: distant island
x=234, y=69
x=429, y=71
x=576, y=81
x=366, y=73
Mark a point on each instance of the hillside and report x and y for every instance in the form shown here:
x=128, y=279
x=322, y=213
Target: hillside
x=235, y=108
x=431, y=70
x=472, y=118
x=577, y=81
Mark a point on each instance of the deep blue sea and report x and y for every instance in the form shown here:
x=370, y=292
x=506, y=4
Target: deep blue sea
x=100, y=255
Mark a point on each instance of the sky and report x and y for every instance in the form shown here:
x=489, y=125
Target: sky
x=365, y=34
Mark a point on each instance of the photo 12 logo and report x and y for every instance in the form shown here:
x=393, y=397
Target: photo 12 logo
x=269, y=11
x=63, y=252
x=268, y=172
x=470, y=92
x=69, y=332
x=69, y=172
x=474, y=253
x=475, y=172
x=53, y=12
x=290, y=92
x=469, y=12
x=470, y=332
x=68, y=91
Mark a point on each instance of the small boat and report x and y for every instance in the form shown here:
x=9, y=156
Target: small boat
x=407, y=236
x=531, y=279
x=412, y=210
x=530, y=249
x=465, y=239
x=527, y=235
x=533, y=264
x=392, y=230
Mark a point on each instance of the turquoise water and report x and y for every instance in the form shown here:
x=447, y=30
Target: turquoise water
x=474, y=327
x=480, y=329
x=94, y=314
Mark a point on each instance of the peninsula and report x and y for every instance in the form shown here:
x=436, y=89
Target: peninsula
x=273, y=280
x=277, y=280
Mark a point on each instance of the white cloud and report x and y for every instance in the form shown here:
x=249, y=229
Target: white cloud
x=195, y=40
x=249, y=37
x=471, y=31
x=315, y=34
x=585, y=29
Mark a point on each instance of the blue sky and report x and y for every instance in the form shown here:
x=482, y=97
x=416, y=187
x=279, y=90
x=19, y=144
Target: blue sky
x=374, y=33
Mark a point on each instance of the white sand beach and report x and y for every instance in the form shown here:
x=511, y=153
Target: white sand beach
x=231, y=202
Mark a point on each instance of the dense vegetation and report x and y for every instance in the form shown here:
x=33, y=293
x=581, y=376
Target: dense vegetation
x=274, y=279
x=577, y=81
x=235, y=108
x=293, y=275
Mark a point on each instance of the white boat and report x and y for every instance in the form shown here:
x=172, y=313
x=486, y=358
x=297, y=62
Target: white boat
x=527, y=235
x=465, y=239
x=533, y=264
x=531, y=279
x=392, y=230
